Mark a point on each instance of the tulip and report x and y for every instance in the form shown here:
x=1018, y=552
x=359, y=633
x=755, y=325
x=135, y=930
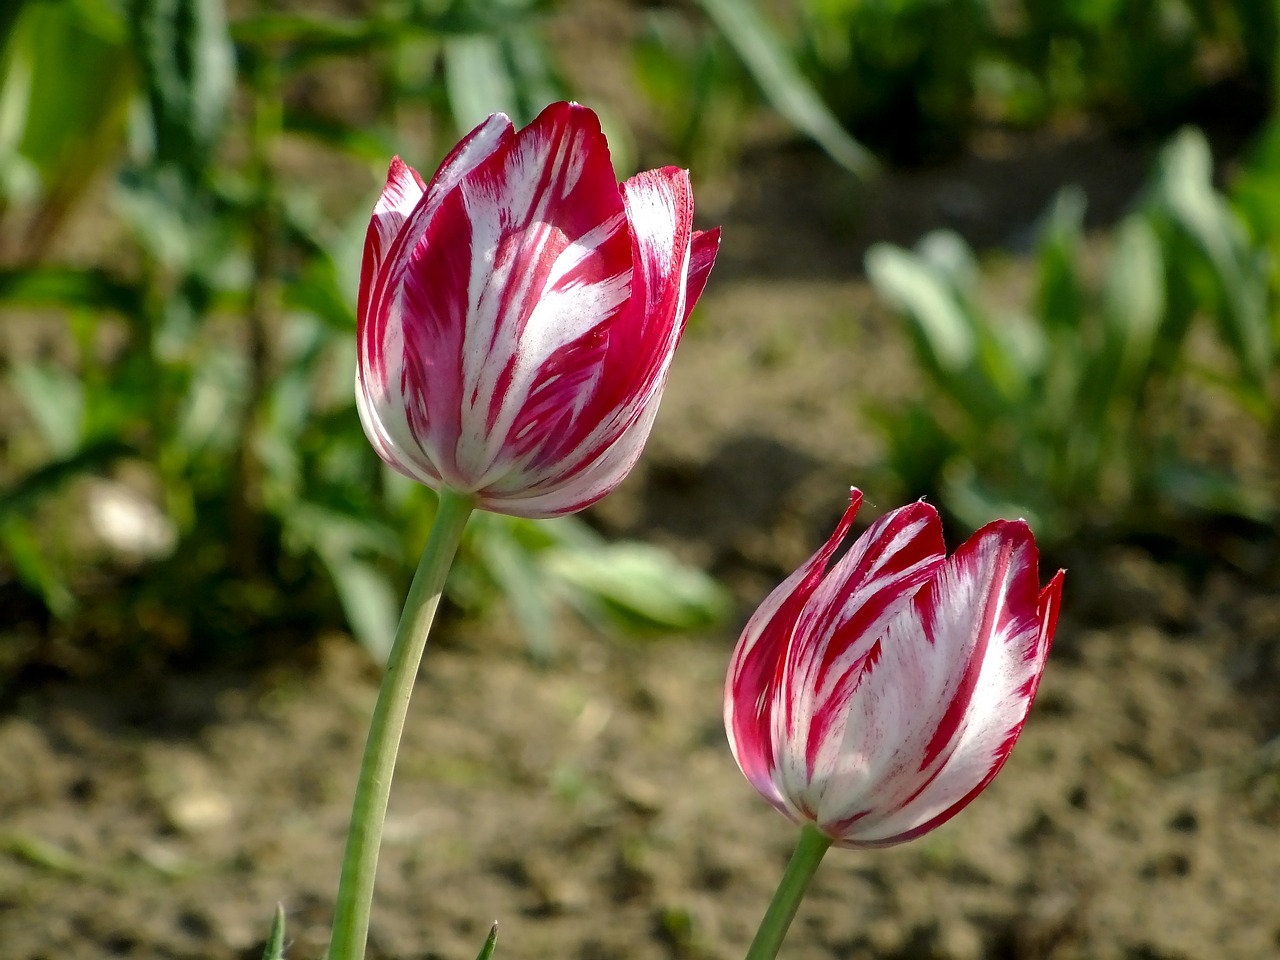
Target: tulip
x=516, y=320
x=518, y=314
x=872, y=699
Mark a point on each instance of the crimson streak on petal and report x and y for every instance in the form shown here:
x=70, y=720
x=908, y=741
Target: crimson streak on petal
x=518, y=314
x=877, y=698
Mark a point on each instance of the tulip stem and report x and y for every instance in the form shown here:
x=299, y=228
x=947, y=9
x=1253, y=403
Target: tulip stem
x=810, y=848
x=369, y=811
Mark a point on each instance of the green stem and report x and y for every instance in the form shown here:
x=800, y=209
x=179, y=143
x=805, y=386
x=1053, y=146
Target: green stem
x=369, y=812
x=791, y=889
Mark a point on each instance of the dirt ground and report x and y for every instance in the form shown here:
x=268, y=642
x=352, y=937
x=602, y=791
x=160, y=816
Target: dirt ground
x=591, y=806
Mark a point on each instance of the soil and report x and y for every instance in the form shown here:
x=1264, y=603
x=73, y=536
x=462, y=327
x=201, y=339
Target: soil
x=590, y=805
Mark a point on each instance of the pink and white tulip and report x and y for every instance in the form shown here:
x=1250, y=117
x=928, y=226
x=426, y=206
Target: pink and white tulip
x=518, y=314
x=877, y=696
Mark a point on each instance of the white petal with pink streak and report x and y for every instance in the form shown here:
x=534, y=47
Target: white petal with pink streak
x=500, y=292
x=401, y=218
x=879, y=768
x=654, y=211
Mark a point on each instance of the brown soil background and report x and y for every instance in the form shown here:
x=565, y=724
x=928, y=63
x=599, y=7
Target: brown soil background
x=591, y=806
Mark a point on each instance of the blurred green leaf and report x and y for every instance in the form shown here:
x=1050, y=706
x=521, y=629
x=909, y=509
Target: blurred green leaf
x=61, y=124
x=8, y=17
x=486, y=952
x=274, y=948
x=24, y=493
x=915, y=288
x=1060, y=297
x=1081, y=427
x=1215, y=492
x=27, y=555
x=784, y=85
x=478, y=80
x=628, y=587
x=366, y=143
x=54, y=399
x=976, y=503
x=310, y=31
x=1185, y=189
x=637, y=586
x=39, y=852
x=519, y=570
x=1133, y=303
x=188, y=66
x=369, y=601
x=91, y=289
x=345, y=543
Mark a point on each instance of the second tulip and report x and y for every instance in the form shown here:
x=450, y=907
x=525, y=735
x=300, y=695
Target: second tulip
x=875, y=699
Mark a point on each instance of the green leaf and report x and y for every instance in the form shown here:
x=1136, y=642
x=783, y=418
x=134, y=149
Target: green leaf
x=1215, y=492
x=1133, y=301
x=342, y=542
x=976, y=504
x=1061, y=296
x=27, y=554
x=54, y=399
x=42, y=853
x=486, y=952
x=311, y=30
x=1185, y=189
x=478, y=80
x=274, y=949
x=90, y=289
x=369, y=602
x=188, y=64
x=517, y=570
x=61, y=124
x=21, y=496
x=914, y=287
x=365, y=142
x=8, y=17
x=784, y=85
x=639, y=587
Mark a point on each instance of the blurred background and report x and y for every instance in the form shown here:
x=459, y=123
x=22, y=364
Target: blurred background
x=1015, y=256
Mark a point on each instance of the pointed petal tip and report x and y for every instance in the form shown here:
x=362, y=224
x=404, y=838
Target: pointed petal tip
x=398, y=168
x=1050, y=601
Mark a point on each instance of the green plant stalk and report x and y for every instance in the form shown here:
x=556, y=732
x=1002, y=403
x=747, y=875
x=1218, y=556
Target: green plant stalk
x=809, y=851
x=369, y=812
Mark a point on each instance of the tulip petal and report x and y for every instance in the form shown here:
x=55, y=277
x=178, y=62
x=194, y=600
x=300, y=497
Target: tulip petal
x=839, y=627
x=406, y=195
x=628, y=358
x=753, y=685
x=702, y=257
x=526, y=256
x=945, y=694
x=401, y=194
x=402, y=215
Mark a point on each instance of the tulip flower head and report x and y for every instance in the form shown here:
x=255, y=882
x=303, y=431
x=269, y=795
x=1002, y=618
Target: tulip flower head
x=876, y=697
x=518, y=313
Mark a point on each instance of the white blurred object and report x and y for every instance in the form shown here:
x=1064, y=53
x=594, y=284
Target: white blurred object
x=129, y=523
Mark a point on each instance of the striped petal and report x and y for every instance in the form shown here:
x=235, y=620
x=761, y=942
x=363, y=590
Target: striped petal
x=879, y=699
x=401, y=217
x=518, y=314
x=753, y=686
x=702, y=257
x=943, y=696
x=604, y=426
x=838, y=630
x=401, y=194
